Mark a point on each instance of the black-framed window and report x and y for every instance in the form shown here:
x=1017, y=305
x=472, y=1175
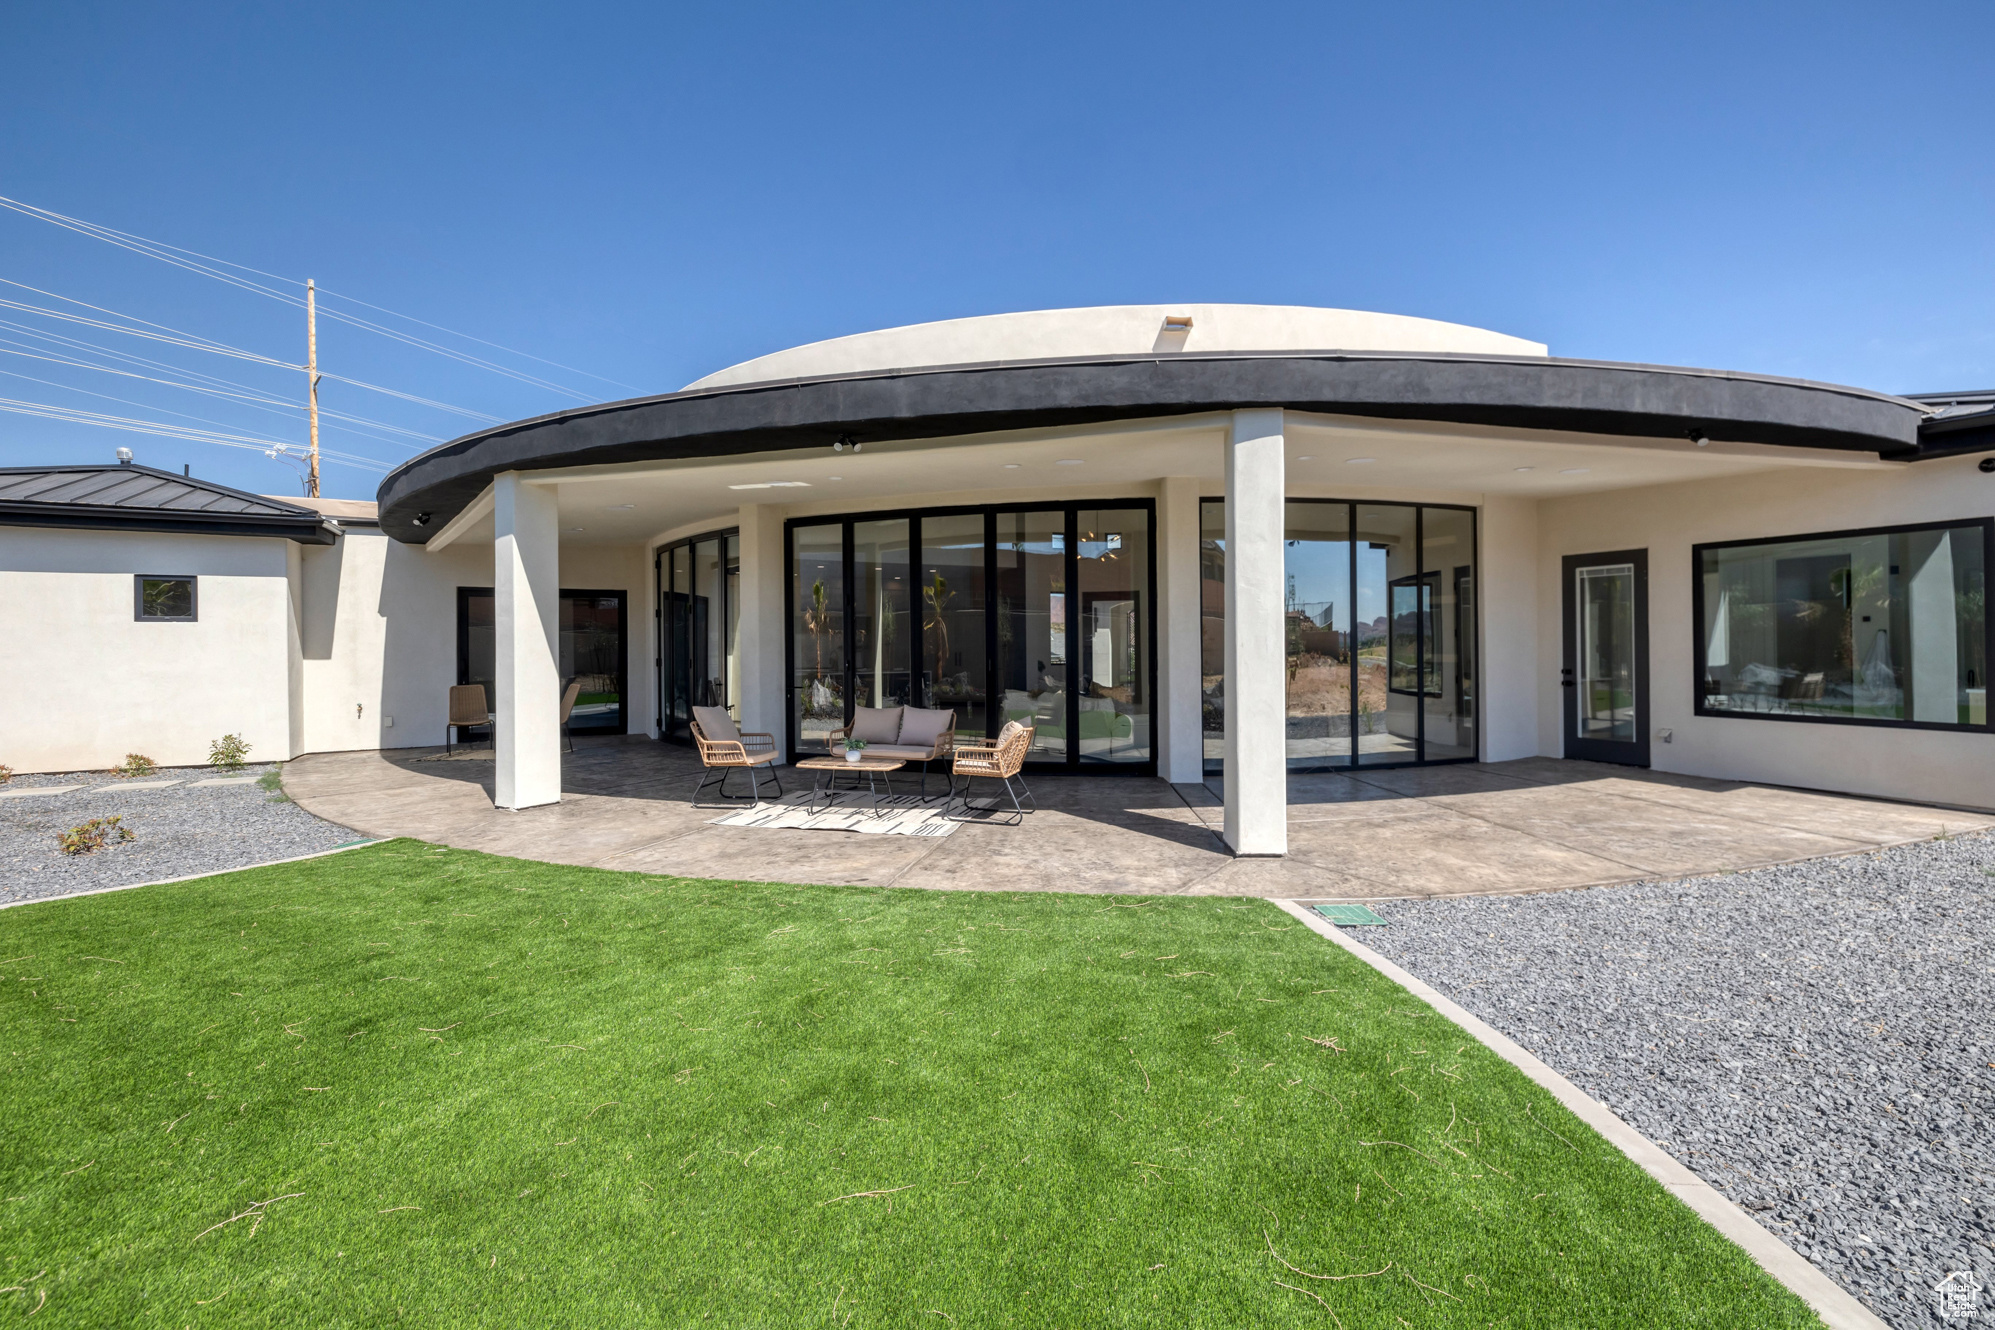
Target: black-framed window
x=698, y=617
x=1038, y=613
x=594, y=646
x=160, y=598
x=1882, y=626
x=1380, y=648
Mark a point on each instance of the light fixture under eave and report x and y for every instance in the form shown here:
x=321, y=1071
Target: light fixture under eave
x=1359, y=461
x=1574, y=470
x=1011, y=466
x=773, y=485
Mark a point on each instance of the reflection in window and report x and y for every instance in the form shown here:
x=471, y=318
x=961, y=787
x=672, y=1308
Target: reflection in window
x=1880, y=626
x=165, y=597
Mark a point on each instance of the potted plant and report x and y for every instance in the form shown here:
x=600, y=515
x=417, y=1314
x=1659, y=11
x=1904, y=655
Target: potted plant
x=855, y=749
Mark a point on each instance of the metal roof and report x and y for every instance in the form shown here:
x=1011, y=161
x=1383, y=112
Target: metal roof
x=129, y=496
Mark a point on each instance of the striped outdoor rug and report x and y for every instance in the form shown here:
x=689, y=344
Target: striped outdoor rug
x=900, y=815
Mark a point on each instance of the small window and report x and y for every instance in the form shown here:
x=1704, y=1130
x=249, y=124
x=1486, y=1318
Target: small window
x=165, y=598
x=1884, y=627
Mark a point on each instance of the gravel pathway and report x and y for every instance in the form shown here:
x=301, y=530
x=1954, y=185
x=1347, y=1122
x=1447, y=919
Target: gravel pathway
x=177, y=831
x=1816, y=1040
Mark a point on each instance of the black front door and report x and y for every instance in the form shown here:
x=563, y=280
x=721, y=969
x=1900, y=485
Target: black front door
x=1605, y=682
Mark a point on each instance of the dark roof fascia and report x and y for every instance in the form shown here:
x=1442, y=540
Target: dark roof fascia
x=313, y=530
x=1530, y=392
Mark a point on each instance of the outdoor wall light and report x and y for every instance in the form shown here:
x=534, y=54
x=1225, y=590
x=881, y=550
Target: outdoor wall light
x=843, y=442
x=1700, y=438
x=1988, y=464
x=422, y=519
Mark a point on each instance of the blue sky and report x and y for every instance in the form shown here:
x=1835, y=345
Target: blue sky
x=652, y=192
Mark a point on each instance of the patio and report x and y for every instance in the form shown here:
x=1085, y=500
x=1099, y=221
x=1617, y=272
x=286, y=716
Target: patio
x=1532, y=825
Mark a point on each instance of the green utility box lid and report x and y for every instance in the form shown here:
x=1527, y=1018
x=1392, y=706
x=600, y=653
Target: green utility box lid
x=1348, y=916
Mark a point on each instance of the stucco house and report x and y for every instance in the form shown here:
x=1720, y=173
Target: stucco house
x=1182, y=540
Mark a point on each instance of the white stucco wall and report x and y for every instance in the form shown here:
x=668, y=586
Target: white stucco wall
x=82, y=683
x=1927, y=765
x=380, y=634
x=1119, y=330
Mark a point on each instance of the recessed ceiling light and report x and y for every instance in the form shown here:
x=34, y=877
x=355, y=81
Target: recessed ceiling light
x=774, y=485
x=834, y=477
x=1305, y=459
x=616, y=506
x=1573, y=470
x=1359, y=461
x=1011, y=466
x=1524, y=468
x=574, y=528
x=1068, y=461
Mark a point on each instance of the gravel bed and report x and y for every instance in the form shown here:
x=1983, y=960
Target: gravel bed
x=176, y=832
x=1815, y=1040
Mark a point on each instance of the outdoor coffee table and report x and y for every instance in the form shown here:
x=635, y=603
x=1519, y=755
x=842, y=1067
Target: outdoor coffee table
x=825, y=771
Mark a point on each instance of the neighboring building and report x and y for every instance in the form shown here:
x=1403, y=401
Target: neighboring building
x=1173, y=538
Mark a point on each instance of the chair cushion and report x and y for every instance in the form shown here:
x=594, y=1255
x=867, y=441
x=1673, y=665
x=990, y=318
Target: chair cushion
x=1011, y=727
x=900, y=751
x=877, y=725
x=920, y=728
x=715, y=723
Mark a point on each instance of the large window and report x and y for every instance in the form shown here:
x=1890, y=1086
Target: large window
x=593, y=653
x=1380, y=633
x=1873, y=627
x=1042, y=615
x=699, y=617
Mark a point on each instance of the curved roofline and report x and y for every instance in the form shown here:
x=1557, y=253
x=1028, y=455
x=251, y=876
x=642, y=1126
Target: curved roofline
x=934, y=401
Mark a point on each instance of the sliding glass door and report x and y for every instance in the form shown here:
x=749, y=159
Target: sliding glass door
x=1379, y=633
x=699, y=618
x=1040, y=615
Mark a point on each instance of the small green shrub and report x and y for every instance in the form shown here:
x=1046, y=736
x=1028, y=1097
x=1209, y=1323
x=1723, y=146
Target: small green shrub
x=273, y=781
x=135, y=764
x=6, y=774
x=228, y=752
x=93, y=835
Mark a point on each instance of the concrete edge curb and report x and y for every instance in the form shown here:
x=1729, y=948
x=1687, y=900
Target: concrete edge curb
x=1837, y=1308
x=196, y=877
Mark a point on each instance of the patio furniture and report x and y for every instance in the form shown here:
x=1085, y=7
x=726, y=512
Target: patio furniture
x=825, y=771
x=468, y=708
x=912, y=734
x=993, y=759
x=725, y=749
x=568, y=696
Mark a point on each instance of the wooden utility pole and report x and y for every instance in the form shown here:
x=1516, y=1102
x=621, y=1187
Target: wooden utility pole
x=312, y=378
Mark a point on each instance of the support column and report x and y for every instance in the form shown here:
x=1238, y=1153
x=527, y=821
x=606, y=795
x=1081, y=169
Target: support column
x=1256, y=684
x=1181, y=753
x=763, y=632
x=526, y=623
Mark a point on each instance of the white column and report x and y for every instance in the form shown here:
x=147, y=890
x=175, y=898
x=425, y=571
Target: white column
x=1180, y=674
x=762, y=627
x=1513, y=671
x=526, y=622
x=1256, y=683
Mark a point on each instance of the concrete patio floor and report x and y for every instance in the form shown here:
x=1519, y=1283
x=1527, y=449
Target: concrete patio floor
x=1531, y=825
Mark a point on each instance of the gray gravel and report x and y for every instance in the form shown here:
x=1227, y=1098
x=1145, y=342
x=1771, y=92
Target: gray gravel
x=1816, y=1040
x=177, y=832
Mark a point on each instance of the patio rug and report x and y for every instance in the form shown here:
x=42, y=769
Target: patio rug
x=899, y=815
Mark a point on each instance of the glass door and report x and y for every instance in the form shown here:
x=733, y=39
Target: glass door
x=1605, y=678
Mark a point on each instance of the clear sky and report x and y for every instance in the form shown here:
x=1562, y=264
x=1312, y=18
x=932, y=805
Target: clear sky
x=650, y=192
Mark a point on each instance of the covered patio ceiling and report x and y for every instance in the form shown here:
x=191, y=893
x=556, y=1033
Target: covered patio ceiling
x=1327, y=456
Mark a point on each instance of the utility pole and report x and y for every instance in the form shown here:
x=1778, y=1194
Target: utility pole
x=312, y=378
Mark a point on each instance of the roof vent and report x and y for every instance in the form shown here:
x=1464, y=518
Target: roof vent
x=124, y=457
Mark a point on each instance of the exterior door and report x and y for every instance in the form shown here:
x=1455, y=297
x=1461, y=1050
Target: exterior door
x=1605, y=682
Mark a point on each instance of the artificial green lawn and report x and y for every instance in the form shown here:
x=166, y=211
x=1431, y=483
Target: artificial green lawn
x=501, y=1092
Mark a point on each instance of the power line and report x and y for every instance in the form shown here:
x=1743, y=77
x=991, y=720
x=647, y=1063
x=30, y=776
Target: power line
x=270, y=447
x=248, y=397
x=166, y=253
x=196, y=342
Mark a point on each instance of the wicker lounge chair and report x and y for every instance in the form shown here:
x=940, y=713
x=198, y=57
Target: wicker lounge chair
x=468, y=709
x=568, y=696
x=993, y=759
x=725, y=749
x=911, y=734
